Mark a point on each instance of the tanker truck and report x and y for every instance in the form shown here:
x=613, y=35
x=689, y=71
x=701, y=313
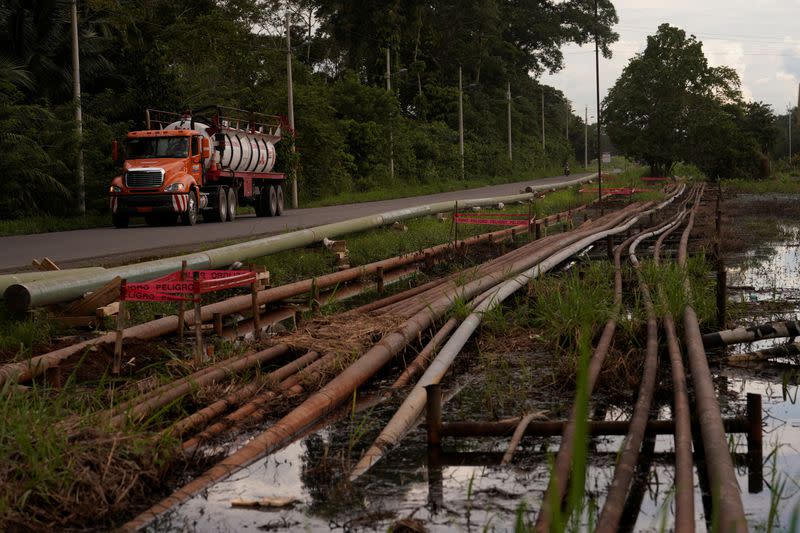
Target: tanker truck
x=188, y=164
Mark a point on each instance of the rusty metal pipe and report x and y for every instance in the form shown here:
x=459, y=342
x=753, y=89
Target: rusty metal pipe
x=208, y=413
x=719, y=465
x=610, y=516
x=319, y=404
x=422, y=358
x=684, y=463
x=541, y=260
x=186, y=385
x=557, y=486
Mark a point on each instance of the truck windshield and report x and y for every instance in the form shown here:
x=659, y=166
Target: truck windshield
x=145, y=147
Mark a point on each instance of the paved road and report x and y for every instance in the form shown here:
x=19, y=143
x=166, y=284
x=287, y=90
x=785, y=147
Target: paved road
x=106, y=246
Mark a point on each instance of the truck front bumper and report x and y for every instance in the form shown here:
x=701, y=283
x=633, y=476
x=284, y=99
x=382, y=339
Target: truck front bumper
x=142, y=204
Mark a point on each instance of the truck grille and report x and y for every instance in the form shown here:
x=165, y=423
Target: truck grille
x=144, y=179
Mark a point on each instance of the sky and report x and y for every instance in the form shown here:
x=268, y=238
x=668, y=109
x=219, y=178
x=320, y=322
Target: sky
x=758, y=38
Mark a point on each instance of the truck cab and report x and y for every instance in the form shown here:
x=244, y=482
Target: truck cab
x=161, y=177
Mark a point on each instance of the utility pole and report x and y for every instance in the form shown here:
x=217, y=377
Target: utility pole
x=597, y=88
x=508, y=98
x=586, y=137
x=789, y=117
x=391, y=133
x=542, y=120
x=461, y=121
x=290, y=98
x=76, y=92
x=569, y=111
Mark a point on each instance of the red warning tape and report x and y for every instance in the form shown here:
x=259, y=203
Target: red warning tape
x=493, y=219
x=171, y=288
x=623, y=191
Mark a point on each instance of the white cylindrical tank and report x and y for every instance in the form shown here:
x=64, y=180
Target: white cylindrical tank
x=247, y=152
x=242, y=151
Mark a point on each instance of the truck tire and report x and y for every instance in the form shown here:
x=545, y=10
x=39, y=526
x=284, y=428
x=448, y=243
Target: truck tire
x=272, y=203
x=189, y=217
x=260, y=204
x=231, y=205
x=279, y=192
x=218, y=211
x=120, y=220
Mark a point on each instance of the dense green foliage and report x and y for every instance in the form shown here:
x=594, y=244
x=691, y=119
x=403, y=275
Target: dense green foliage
x=669, y=105
x=171, y=54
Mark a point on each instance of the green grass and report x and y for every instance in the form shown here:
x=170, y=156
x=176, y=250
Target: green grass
x=572, y=305
x=784, y=184
x=57, y=473
x=20, y=336
x=48, y=223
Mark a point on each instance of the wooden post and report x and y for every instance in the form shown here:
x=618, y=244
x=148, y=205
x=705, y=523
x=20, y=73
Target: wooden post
x=314, y=296
x=610, y=247
x=719, y=211
x=54, y=377
x=722, y=287
x=256, y=309
x=433, y=414
x=455, y=224
x=429, y=260
x=530, y=220
x=538, y=229
x=117, y=364
x=380, y=280
x=218, y=324
x=754, y=444
x=182, y=307
x=199, y=354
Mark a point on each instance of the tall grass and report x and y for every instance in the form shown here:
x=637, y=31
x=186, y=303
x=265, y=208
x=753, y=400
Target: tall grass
x=59, y=468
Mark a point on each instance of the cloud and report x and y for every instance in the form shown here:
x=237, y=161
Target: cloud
x=790, y=58
x=721, y=52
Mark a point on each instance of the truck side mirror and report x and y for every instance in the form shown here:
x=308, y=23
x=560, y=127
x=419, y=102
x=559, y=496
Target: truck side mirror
x=115, y=151
x=206, y=150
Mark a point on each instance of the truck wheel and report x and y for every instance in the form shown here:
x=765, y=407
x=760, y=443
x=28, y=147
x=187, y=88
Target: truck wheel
x=189, y=217
x=221, y=213
x=218, y=211
x=120, y=220
x=272, y=204
x=279, y=192
x=231, y=205
x=260, y=204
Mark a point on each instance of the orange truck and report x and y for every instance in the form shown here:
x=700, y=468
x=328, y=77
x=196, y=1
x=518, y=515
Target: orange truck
x=184, y=165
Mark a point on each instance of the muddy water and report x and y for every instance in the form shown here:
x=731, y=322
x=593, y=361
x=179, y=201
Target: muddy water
x=464, y=489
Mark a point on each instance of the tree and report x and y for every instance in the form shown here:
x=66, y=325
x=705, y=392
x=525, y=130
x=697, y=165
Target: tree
x=654, y=111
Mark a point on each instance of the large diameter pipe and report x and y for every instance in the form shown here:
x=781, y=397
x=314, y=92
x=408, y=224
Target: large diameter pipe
x=7, y=280
x=21, y=297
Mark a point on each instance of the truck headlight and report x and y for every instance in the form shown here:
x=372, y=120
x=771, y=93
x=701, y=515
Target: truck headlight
x=115, y=188
x=175, y=187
